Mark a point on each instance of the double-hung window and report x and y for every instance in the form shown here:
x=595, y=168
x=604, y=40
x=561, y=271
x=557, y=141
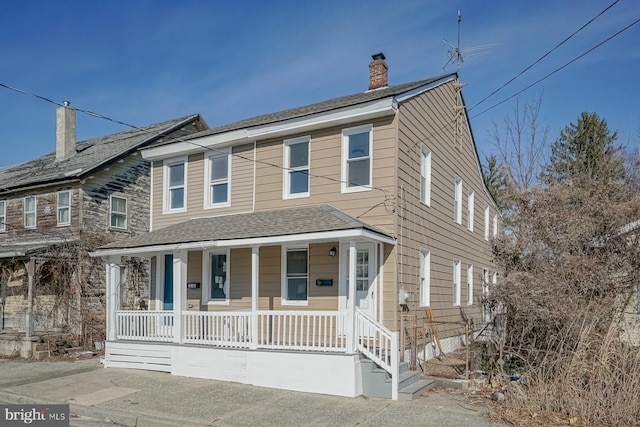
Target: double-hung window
x=495, y=225
x=218, y=178
x=296, y=274
x=296, y=167
x=219, y=290
x=30, y=205
x=175, y=173
x=3, y=216
x=118, y=212
x=64, y=207
x=356, y=158
x=457, y=202
x=486, y=222
x=470, y=208
x=425, y=176
x=456, y=282
x=470, y=284
x=425, y=278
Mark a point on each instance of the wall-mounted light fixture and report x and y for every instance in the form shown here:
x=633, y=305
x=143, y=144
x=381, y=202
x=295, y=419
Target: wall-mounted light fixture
x=333, y=251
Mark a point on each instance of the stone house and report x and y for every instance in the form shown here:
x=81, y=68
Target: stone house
x=56, y=208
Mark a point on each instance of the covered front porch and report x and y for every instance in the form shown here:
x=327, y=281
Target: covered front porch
x=274, y=310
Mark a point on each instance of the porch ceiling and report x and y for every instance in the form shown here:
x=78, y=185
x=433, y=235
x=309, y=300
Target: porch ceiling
x=257, y=228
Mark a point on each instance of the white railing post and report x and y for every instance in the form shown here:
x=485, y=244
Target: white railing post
x=254, y=295
x=351, y=329
x=179, y=294
x=395, y=366
x=113, y=296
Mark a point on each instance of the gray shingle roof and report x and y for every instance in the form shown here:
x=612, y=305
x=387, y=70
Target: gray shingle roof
x=90, y=154
x=274, y=223
x=320, y=107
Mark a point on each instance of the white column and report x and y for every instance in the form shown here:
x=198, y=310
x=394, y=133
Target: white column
x=255, y=288
x=351, y=330
x=179, y=294
x=113, y=296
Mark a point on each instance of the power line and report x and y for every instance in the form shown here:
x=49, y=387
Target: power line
x=545, y=55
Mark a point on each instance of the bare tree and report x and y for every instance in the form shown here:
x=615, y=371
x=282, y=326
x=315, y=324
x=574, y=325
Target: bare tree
x=522, y=144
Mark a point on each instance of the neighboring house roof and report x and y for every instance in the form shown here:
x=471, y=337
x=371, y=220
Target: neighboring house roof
x=320, y=107
x=90, y=155
x=266, y=224
x=13, y=250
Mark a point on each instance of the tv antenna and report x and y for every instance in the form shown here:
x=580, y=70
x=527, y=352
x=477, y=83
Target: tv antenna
x=457, y=55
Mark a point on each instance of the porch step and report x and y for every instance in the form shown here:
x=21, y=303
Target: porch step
x=376, y=382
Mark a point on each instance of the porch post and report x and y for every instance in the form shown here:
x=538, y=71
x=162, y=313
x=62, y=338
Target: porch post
x=255, y=286
x=113, y=296
x=351, y=330
x=179, y=294
x=31, y=272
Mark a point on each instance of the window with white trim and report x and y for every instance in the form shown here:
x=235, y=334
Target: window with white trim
x=296, y=167
x=3, y=216
x=457, y=202
x=425, y=176
x=425, y=278
x=30, y=206
x=118, y=212
x=296, y=274
x=487, y=215
x=469, y=284
x=175, y=185
x=495, y=225
x=64, y=207
x=456, y=282
x=219, y=277
x=470, y=209
x=356, y=158
x=218, y=167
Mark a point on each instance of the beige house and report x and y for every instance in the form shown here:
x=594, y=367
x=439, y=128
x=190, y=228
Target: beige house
x=285, y=247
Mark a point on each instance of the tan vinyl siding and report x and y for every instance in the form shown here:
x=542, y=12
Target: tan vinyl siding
x=241, y=188
x=325, y=171
x=429, y=119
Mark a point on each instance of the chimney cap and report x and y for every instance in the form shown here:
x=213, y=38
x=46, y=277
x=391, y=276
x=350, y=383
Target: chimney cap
x=378, y=56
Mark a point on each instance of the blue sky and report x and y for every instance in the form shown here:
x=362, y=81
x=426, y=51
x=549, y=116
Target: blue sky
x=143, y=62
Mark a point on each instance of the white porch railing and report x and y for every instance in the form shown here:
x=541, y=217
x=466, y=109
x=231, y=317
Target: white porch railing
x=145, y=325
x=220, y=328
x=380, y=345
x=302, y=330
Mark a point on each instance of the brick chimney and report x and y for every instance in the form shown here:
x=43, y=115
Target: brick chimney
x=378, y=72
x=65, y=131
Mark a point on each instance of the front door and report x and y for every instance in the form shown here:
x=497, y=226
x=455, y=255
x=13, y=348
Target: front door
x=167, y=293
x=365, y=273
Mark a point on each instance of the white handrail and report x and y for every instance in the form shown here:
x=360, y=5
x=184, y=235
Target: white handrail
x=219, y=328
x=380, y=345
x=144, y=325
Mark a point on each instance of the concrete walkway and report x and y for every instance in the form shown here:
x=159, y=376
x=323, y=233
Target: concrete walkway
x=143, y=398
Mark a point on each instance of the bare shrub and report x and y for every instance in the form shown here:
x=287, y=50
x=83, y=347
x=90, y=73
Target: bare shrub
x=570, y=257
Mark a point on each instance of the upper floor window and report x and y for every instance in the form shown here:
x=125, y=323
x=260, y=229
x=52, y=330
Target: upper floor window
x=118, y=212
x=3, y=215
x=457, y=202
x=425, y=278
x=296, y=167
x=425, y=176
x=495, y=225
x=470, y=207
x=486, y=222
x=64, y=207
x=218, y=165
x=175, y=185
x=356, y=158
x=296, y=275
x=30, y=204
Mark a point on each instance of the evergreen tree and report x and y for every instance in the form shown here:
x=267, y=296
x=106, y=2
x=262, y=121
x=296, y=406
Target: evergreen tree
x=585, y=151
x=495, y=179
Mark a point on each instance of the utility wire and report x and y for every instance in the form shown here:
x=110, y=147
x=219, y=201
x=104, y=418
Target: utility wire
x=545, y=55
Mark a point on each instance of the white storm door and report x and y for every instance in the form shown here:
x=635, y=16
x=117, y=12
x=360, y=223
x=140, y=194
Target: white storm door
x=365, y=273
